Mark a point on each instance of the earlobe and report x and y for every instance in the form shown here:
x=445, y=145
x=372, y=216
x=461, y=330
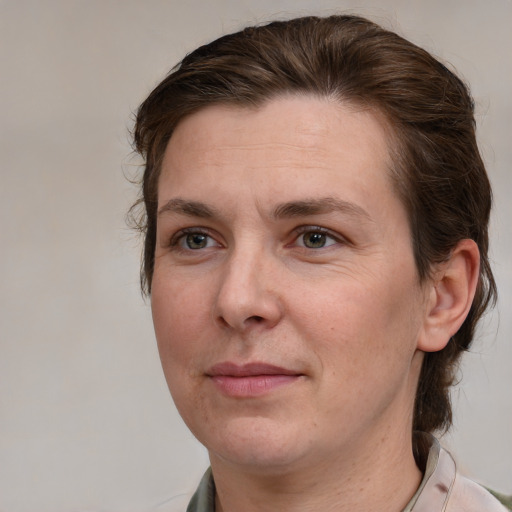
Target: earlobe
x=450, y=296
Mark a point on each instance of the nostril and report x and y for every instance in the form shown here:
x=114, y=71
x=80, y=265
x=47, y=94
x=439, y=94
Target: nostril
x=223, y=321
x=255, y=319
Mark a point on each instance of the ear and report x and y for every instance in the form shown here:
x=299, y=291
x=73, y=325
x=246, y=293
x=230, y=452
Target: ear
x=449, y=296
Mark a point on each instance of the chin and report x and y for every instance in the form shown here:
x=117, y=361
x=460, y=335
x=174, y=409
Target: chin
x=257, y=443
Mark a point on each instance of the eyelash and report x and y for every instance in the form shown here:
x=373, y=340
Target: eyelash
x=303, y=230
x=178, y=237
x=182, y=233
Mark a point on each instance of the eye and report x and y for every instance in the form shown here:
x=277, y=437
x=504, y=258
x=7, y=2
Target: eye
x=315, y=239
x=193, y=240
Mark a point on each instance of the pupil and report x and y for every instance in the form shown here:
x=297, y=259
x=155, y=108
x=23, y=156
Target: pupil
x=314, y=240
x=196, y=241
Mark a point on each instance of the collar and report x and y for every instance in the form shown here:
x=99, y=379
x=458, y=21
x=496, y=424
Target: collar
x=203, y=499
x=437, y=483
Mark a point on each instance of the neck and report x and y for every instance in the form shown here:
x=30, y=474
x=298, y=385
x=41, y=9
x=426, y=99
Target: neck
x=381, y=476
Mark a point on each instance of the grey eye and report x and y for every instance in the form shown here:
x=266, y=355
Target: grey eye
x=314, y=239
x=196, y=241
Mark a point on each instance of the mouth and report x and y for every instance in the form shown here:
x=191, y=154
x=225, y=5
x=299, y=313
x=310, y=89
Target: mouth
x=250, y=380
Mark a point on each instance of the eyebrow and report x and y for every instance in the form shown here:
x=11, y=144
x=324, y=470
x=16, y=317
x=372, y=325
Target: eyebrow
x=291, y=209
x=319, y=206
x=188, y=208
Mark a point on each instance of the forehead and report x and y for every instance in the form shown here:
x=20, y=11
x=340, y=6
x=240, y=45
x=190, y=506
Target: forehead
x=291, y=135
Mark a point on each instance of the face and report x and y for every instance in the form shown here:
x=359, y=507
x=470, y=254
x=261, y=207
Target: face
x=285, y=297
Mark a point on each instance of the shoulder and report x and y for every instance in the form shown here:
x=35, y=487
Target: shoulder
x=467, y=496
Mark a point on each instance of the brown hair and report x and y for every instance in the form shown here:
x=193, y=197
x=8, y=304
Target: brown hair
x=437, y=168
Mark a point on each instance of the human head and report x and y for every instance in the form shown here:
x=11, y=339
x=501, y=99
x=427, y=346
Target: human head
x=437, y=169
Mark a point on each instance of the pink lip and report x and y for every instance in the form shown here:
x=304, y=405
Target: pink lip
x=250, y=380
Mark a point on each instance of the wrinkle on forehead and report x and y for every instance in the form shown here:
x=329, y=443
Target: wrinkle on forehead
x=305, y=132
x=272, y=136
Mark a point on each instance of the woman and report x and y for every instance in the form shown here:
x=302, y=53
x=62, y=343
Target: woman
x=316, y=215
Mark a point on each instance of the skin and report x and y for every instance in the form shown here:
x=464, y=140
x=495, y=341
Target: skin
x=297, y=254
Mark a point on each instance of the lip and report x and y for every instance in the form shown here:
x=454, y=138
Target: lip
x=250, y=380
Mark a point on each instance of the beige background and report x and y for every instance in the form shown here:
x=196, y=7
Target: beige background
x=86, y=423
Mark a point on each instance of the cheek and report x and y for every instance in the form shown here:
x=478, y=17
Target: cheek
x=362, y=326
x=179, y=314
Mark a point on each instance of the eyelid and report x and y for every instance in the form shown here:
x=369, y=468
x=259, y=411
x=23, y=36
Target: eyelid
x=297, y=232
x=178, y=236
x=319, y=229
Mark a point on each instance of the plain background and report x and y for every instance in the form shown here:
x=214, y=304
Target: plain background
x=86, y=422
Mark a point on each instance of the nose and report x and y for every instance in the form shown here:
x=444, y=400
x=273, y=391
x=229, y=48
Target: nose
x=248, y=296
